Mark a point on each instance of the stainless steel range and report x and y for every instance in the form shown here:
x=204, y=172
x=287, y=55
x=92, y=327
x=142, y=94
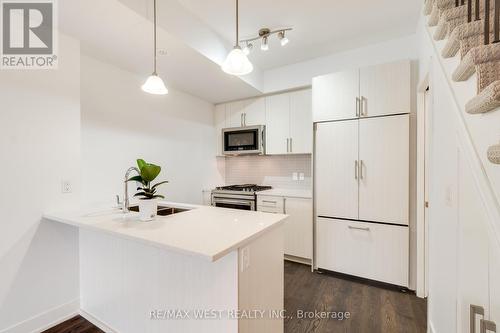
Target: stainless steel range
x=237, y=196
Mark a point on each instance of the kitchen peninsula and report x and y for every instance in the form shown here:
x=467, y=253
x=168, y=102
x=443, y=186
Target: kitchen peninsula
x=180, y=272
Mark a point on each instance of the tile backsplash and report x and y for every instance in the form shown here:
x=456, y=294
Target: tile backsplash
x=277, y=171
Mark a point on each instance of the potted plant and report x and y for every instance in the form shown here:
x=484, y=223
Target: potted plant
x=148, y=199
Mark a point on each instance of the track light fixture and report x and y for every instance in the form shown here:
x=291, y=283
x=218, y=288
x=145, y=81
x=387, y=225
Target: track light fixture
x=263, y=36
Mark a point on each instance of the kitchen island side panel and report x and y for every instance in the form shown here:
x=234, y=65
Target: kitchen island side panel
x=124, y=283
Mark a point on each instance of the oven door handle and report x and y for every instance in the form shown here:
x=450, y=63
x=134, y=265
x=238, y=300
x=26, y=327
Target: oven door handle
x=231, y=201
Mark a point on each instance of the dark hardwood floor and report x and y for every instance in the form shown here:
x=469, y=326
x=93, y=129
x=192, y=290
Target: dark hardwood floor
x=77, y=324
x=372, y=309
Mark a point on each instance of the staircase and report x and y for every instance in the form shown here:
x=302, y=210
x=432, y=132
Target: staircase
x=472, y=30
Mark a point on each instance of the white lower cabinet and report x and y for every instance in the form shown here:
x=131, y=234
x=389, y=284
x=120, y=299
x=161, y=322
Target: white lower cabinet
x=369, y=250
x=298, y=226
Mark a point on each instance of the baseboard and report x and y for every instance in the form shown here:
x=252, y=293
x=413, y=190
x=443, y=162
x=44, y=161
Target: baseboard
x=47, y=319
x=97, y=322
x=298, y=260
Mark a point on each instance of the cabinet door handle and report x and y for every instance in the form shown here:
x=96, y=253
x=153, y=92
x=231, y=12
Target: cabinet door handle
x=356, y=169
x=241, y=120
x=487, y=325
x=287, y=145
x=361, y=163
x=474, y=310
x=291, y=145
x=362, y=106
x=358, y=103
x=244, y=119
x=358, y=228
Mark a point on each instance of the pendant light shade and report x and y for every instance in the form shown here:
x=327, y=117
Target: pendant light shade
x=237, y=62
x=154, y=84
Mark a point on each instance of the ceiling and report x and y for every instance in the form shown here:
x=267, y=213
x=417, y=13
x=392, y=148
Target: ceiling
x=320, y=27
x=197, y=35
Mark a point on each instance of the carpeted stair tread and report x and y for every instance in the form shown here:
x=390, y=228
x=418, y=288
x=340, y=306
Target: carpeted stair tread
x=473, y=31
x=494, y=154
x=428, y=7
x=487, y=73
x=476, y=56
x=487, y=100
x=444, y=26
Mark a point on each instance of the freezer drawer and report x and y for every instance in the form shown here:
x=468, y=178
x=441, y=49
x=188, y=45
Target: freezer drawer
x=369, y=250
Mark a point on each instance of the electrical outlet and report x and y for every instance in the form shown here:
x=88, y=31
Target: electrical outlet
x=295, y=176
x=301, y=176
x=245, y=258
x=66, y=186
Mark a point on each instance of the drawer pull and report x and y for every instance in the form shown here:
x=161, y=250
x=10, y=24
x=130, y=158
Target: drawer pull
x=358, y=228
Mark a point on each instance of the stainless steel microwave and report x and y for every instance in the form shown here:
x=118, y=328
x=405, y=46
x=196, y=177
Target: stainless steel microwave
x=244, y=140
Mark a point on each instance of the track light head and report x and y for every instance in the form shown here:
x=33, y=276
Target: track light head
x=265, y=44
x=282, y=38
x=248, y=47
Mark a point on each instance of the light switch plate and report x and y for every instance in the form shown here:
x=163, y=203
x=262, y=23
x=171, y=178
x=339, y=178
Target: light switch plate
x=66, y=186
x=295, y=176
x=301, y=176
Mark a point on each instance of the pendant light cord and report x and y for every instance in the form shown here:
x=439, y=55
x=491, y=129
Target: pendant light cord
x=154, y=33
x=237, y=25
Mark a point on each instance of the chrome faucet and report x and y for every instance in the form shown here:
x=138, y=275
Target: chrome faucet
x=126, y=202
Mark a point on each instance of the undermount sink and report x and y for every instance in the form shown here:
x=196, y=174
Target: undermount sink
x=162, y=210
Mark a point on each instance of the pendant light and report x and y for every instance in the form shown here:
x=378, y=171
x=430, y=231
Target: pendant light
x=237, y=62
x=154, y=84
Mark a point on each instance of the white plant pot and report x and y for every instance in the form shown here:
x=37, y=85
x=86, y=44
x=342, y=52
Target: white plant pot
x=147, y=209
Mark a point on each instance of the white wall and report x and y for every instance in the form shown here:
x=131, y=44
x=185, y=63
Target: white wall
x=301, y=74
x=39, y=147
x=121, y=123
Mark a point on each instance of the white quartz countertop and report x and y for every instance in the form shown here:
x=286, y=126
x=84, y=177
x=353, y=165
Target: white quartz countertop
x=206, y=231
x=287, y=193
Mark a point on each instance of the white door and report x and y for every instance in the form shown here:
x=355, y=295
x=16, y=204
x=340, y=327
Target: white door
x=334, y=96
x=298, y=227
x=385, y=89
x=235, y=112
x=254, y=112
x=384, y=169
x=301, y=125
x=220, y=123
x=277, y=124
x=473, y=249
x=336, y=172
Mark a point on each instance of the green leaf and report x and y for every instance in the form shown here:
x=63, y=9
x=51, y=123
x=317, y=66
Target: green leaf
x=160, y=183
x=150, y=171
x=135, y=179
x=141, y=163
x=138, y=194
x=158, y=196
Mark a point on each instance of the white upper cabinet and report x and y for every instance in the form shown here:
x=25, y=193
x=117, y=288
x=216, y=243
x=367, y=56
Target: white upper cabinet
x=250, y=112
x=384, y=169
x=289, y=123
x=335, y=95
x=336, y=169
x=220, y=123
x=254, y=112
x=301, y=125
x=278, y=124
x=385, y=89
x=235, y=112
x=367, y=92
